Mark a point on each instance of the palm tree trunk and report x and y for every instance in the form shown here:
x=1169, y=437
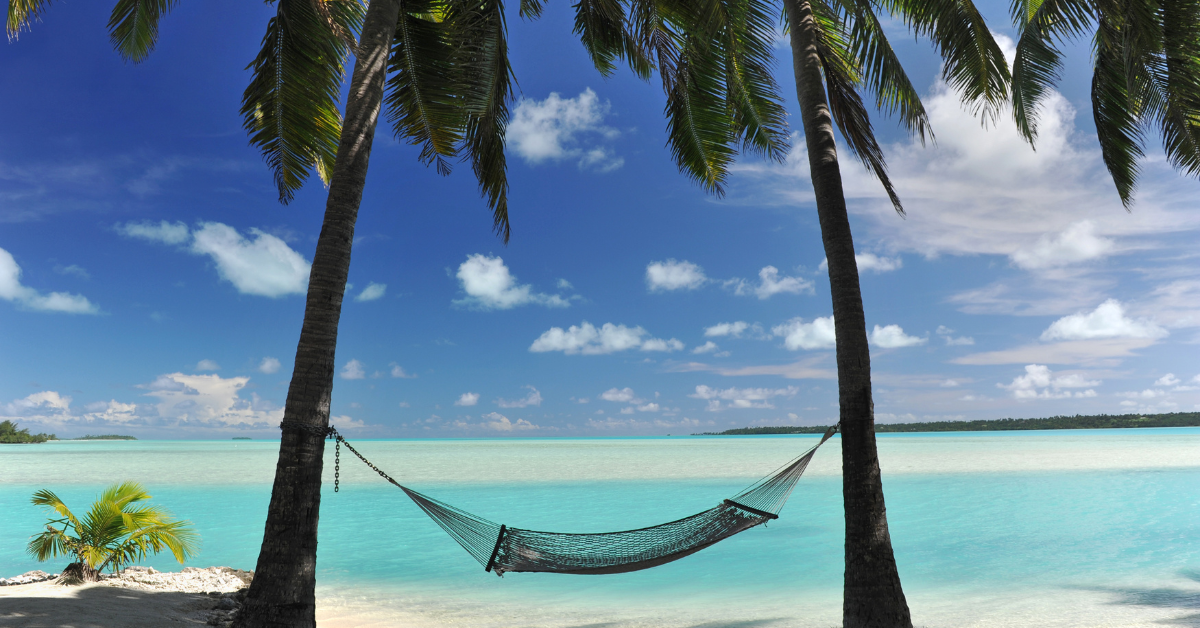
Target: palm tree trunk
x=282, y=593
x=872, y=596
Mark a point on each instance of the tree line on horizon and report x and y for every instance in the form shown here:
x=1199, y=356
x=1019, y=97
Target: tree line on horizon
x=439, y=70
x=1061, y=422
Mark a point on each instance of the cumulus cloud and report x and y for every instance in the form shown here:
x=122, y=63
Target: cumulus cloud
x=557, y=129
x=1108, y=320
x=893, y=337
x=398, y=372
x=12, y=290
x=501, y=423
x=1039, y=382
x=372, y=292
x=586, y=339
x=707, y=347
x=210, y=400
x=269, y=365
x=797, y=334
x=489, y=285
x=265, y=266
x=534, y=398
x=207, y=365
x=619, y=395
x=951, y=340
x=770, y=284
x=164, y=232
x=467, y=399
x=1077, y=243
x=1167, y=380
x=674, y=275
x=870, y=262
x=734, y=329
x=353, y=370
x=741, y=397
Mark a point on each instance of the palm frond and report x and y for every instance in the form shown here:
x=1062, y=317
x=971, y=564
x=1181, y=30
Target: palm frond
x=22, y=14
x=1116, y=110
x=698, y=125
x=133, y=26
x=1174, y=84
x=606, y=35
x=974, y=65
x=654, y=36
x=290, y=107
x=480, y=39
x=881, y=70
x=47, y=499
x=422, y=98
x=846, y=106
x=532, y=9
x=757, y=112
x=1038, y=62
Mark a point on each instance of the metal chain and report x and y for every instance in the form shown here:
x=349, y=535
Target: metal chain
x=328, y=432
x=337, y=464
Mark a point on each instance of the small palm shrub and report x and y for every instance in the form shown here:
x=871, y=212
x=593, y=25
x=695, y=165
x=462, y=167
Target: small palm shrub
x=118, y=529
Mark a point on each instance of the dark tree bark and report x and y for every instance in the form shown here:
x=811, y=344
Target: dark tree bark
x=282, y=593
x=872, y=596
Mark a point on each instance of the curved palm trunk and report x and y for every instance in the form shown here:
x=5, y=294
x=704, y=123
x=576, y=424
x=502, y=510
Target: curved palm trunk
x=282, y=593
x=873, y=597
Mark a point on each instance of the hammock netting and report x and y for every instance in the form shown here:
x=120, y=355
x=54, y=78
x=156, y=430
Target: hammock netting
x=502, y=549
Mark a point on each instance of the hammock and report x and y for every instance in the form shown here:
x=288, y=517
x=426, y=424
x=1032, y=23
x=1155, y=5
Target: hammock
x=501, y=549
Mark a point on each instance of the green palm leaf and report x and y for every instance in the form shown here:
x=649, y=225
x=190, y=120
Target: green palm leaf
x=1116, y=110
x=698, y=126
x=22, y=14
x=133, y=26
x=1038, y=61
x=290, y=107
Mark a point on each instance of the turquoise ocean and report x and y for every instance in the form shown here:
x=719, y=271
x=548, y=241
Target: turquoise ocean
x=1057, y=528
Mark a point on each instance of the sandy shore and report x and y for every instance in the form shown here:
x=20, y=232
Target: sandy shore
x=139, y=598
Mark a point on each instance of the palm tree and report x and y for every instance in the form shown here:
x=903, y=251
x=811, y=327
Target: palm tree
x=1146, y=74
x=116, y=530
x=838, y=47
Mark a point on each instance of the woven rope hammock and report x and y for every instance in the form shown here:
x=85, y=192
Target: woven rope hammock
x=501, y=549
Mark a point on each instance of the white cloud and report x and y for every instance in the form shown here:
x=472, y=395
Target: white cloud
x=871, y=262
x=893, y=337
x=74, y=270
x=398, y=372
x=734, y=329
x=1039, y=376
x=12, y=290
x=467, y=399
x=674, y=275
x=500, y=423
x=164, y=232
x=741, y=397
x=1167, y=380
x=264, y=266
x=207, y=365
x=623, y=395
x=649, y=407
x=210, y=400
x=552, y=129
x=489, y=285
x=269, y=366
x=770, y=284
x=353, y=370
x=1108, y=320
x=707, y=347
x=797, y=334
x=371, y=292
x=534, y=398
x=1149, y=393
x=952, y=341
x=1077, y=243
x=588, y=340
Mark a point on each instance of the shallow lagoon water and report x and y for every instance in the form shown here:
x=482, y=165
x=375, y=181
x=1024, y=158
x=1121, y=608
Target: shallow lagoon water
x=1061, y=528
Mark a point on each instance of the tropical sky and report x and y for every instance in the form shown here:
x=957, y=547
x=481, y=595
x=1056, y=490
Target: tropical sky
x=151, y=283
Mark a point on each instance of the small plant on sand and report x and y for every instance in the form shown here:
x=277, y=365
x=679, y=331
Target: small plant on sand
x=118, y=529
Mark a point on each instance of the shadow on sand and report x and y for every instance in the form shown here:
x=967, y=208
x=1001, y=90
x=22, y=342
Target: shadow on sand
x=98, y=606
x=1185, y=599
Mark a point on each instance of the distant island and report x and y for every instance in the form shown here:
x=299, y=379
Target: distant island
x=105, y=437
x=1077, y=422
x=242, y=438
x=10, y=434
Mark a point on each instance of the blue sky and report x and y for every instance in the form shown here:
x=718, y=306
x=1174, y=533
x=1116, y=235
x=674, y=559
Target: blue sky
x=150, y=283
